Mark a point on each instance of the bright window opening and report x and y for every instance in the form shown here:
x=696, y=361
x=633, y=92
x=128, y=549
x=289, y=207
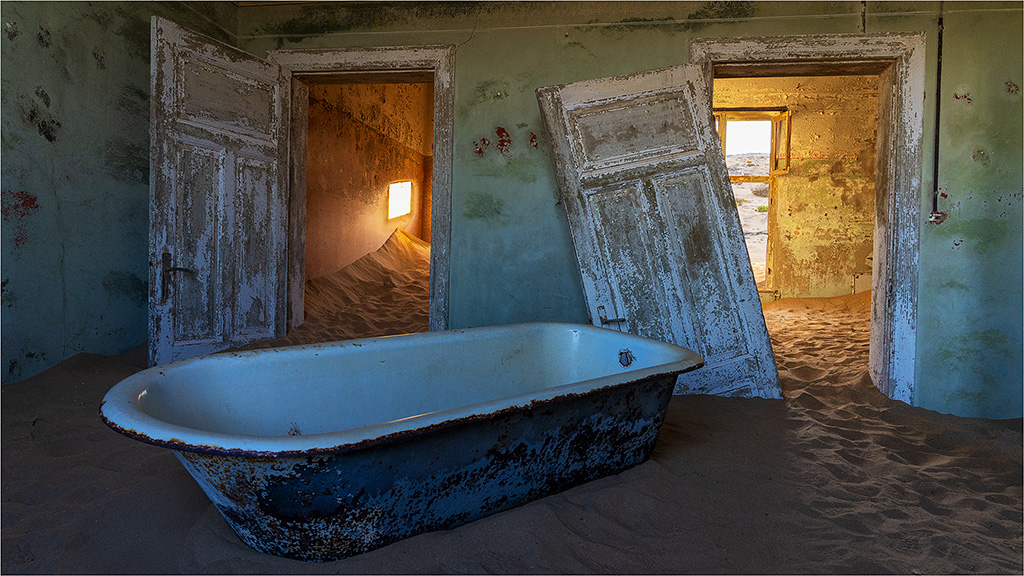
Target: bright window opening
x=399, y=199
x=752, y=139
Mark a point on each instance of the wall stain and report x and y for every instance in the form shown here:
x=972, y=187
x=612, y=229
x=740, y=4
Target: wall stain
x=38, y=117
x=15, y=207
x=133, y=99
x=323, y=19
x=504, y=144
x=984, y=234
x=126, y=161
x=11, y=28
x=134, y=30
x=126, y=285
x=7, y=297
x=954, y=285
x=100, y=58
x=482, y=206
x=965, y=96
x=43, y=38
x=1012, y=87
x=480, y=146
x=43, y=96
x=980, y=156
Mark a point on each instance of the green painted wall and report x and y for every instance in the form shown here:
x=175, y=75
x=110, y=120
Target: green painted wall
x=75, y=192
x=969, y=328
x=512, y=258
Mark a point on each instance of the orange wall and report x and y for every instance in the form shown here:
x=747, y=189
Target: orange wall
x=362, y=137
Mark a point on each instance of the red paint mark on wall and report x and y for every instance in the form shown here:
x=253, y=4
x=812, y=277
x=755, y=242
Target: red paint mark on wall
x=957, y=243
x=964, y=96
x=504, y=140
x=1012, y=87
x=534, y=140
x=16, y=206
x=943, y=194
x=480, y=146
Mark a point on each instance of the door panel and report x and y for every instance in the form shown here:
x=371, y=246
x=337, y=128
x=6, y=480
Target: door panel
x=218, y=195
x=643, y=181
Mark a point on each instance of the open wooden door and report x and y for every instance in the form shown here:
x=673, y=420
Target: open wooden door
x=218, y=195
x=643, y=181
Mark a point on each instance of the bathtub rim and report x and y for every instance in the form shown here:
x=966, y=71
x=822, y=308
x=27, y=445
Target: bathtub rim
x=122, y=412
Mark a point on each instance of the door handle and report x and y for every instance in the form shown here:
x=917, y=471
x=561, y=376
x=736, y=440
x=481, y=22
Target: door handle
x=165, y=274
x=603, y=317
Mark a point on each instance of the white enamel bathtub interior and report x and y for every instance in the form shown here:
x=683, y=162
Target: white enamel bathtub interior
x=329, y=395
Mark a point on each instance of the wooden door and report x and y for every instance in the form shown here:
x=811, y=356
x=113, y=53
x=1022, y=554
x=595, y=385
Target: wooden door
x=218, y=195
x=643, y=181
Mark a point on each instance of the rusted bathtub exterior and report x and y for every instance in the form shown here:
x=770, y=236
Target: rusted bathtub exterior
x=324, y=451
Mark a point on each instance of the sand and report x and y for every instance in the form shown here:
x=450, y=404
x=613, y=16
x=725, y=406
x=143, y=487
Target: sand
x=752, y=207
x=383, y=293
x=834, y=478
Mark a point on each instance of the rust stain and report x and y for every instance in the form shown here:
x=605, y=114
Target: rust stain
x=325, y=505
x=965, y=96
x=15, y=207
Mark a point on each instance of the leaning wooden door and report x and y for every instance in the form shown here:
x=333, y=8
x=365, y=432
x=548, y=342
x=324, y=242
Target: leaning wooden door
x=218, y=195
x=643, y=181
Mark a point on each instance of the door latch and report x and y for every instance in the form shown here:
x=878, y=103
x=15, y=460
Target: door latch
x=165, y=274
x=603, y=317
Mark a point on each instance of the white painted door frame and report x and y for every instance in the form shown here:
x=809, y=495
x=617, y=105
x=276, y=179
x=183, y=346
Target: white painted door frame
x=899, y=60
x=403, y=63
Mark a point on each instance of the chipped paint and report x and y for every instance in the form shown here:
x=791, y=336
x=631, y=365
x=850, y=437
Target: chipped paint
x=504, y=143
x=334, y=504
x=645, y=189
x=454, y=443
x=331, y=506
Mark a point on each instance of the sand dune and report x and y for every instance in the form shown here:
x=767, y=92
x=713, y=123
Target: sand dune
x=834, y=478
x=383, y=293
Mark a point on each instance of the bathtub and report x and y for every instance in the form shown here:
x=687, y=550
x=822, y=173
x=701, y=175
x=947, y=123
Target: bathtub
x=320, y=452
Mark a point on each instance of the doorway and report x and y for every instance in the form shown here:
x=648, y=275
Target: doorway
x=814, y=224
x=898, y=62
x=756, y=142
x=367, y=78
x=369, y=166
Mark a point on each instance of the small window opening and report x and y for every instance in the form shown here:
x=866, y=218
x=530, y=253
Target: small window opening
x=399, y=199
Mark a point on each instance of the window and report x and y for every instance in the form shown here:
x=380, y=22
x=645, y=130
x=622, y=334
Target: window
x=752, y=131
x=399, y=199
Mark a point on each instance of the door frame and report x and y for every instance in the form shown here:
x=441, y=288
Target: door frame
x=899, y=60
x=398, y=64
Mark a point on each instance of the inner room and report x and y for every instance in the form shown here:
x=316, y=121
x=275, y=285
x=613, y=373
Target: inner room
x=369, y=170
x=804, y=182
